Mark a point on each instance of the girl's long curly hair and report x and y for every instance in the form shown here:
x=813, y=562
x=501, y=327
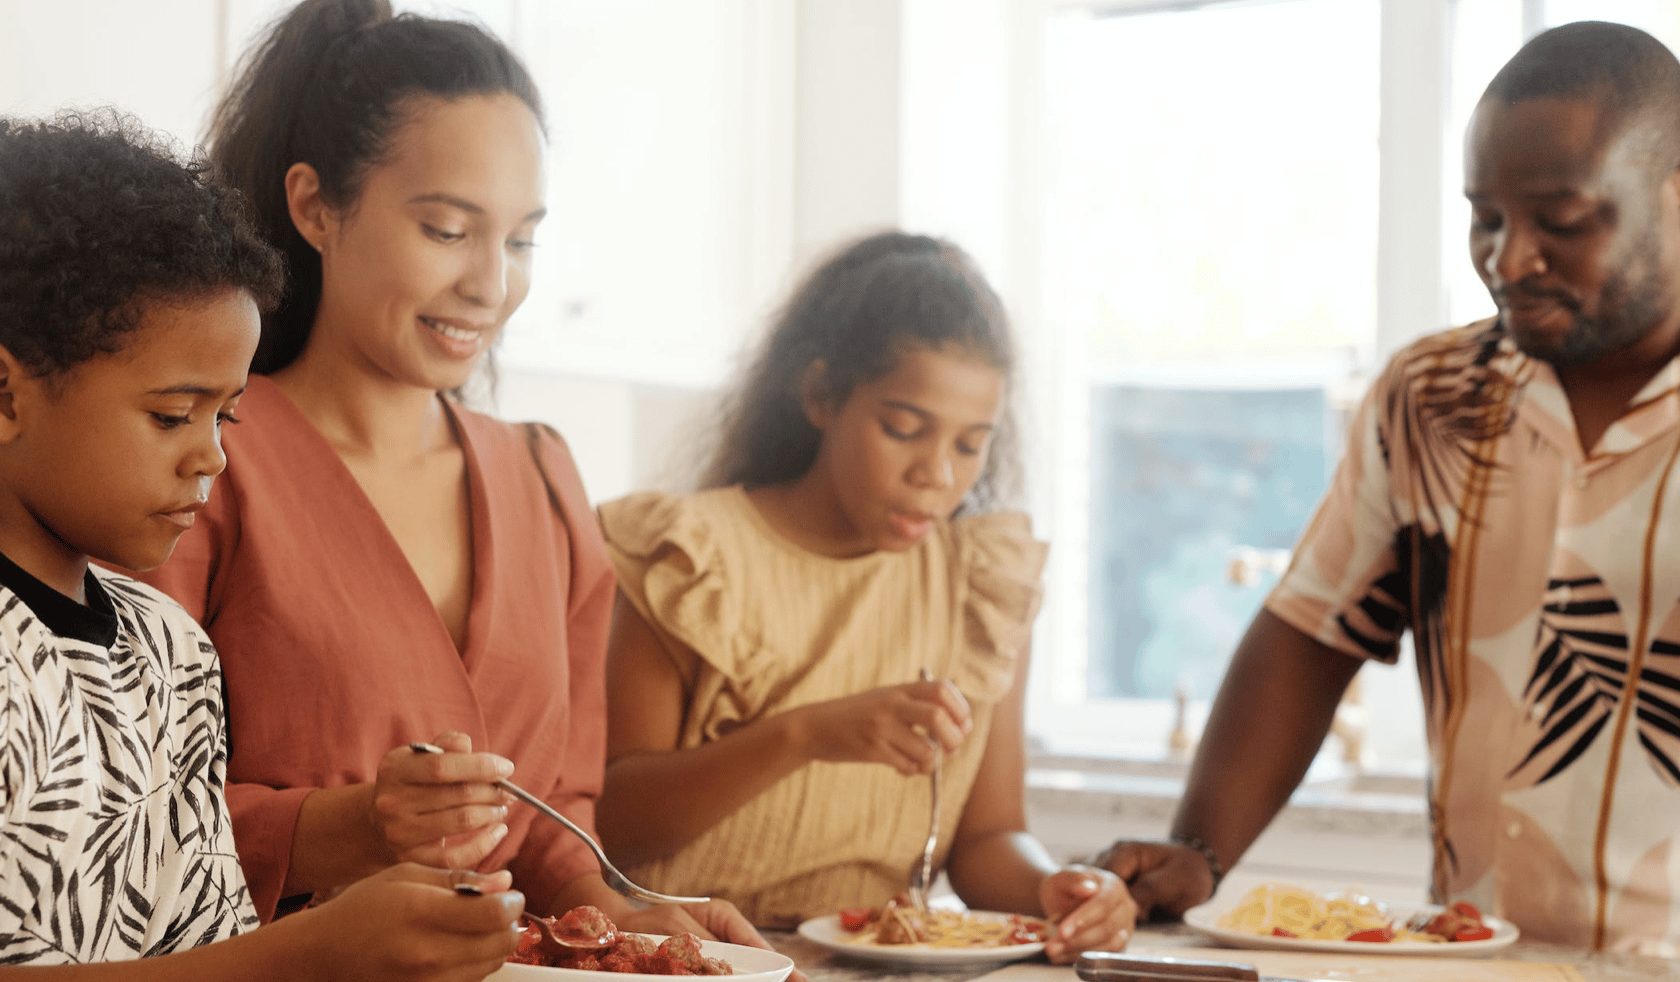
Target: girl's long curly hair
x=858, y=313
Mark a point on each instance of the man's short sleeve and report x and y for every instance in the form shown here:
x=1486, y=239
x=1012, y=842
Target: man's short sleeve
x=1342, y=586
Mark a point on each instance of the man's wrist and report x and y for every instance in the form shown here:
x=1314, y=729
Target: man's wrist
x=1216, y=868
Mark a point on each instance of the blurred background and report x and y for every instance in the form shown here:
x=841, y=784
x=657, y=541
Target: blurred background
x=1212, y=220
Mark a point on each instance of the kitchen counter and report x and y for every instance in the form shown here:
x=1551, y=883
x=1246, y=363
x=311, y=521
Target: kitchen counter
x=822, y=966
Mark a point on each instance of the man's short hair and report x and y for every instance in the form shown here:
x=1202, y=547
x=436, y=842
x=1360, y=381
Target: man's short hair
x=99, y=216
x=1628, y=72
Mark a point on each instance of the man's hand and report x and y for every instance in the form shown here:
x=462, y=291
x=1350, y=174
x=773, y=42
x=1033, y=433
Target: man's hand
x=1165, y=879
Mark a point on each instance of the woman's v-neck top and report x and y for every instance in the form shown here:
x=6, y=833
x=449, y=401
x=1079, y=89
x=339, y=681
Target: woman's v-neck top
x=333, y=653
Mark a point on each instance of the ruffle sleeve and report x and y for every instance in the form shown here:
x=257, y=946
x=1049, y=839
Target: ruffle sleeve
x=672, y=570
x=1004, y=572
x=669, y=569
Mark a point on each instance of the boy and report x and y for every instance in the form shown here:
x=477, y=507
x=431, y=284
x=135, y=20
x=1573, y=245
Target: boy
x=130, y=289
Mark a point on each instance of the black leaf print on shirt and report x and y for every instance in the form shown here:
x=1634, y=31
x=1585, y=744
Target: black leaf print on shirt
x=1658, y=709
x=115, y=844
x=1580, y=667
x=1581, y=676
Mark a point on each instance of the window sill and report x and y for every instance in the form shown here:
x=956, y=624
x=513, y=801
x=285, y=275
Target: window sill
x=1333, y=798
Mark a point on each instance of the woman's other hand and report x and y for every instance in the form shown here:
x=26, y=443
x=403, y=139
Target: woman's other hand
x=715, y=920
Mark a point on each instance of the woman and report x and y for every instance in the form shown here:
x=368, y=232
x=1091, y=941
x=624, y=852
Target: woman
x=383, y=565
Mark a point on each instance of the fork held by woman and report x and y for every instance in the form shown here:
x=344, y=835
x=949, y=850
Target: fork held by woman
x=618, y=881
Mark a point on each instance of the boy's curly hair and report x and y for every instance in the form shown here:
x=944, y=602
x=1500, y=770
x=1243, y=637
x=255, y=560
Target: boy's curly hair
x=98, y=216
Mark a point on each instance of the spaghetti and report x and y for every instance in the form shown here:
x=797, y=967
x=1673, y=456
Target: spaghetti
x=901, y=924
x=1280, y=910
x=1291, y=912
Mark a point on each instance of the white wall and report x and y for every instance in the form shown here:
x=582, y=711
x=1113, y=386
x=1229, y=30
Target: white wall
x=626, y=436
x=672, y=186
x=890, y=113
x=158, y=60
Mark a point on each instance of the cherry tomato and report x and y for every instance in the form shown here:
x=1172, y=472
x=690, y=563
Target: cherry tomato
x=1278, y=932
x=1465, y=908
x=1473, y=934
x=1384, y=933
x=855, y=918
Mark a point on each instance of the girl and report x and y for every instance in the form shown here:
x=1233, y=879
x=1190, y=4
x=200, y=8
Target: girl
x=768, y=738
x=129, y=295
x=385, y=565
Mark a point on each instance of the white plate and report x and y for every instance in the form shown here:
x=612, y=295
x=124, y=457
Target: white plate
x=750, y=964
x=826, y=931
x=1206, y=920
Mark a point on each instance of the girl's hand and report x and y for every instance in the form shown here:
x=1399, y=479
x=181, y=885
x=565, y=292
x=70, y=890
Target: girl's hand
x=409, y=923
x=441, y=810
x=1091, y=911
x=905, y=727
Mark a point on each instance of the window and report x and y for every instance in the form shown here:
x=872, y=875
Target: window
x=1213, y=281
x=1211, y=264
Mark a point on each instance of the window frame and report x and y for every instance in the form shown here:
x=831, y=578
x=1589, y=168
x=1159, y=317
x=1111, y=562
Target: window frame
x=1411, y=299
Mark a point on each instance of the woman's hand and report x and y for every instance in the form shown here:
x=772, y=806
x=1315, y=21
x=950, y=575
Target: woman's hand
x=715, y=920
x=905, y=727
x=409, y=924
x=441, y=810
x=1090, y=909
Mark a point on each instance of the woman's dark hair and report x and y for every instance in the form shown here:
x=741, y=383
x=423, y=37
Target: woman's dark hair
x=329, y=85
x=99, y=216
x=858, y=313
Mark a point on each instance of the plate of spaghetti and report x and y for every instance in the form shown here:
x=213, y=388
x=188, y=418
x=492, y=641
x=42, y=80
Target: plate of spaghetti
x=897, y=933
x=1276, y=915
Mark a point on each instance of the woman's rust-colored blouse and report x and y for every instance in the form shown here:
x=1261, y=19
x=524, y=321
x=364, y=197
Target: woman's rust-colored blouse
x=333, y=653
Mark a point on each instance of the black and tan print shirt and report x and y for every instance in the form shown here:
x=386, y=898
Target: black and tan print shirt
x=115, y=841
x=1541, y=584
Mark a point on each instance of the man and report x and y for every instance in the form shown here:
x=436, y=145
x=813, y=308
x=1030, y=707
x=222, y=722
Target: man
x=1511, y=494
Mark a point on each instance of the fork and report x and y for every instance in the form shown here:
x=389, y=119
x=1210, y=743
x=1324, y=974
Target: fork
x=609, y=873
x=921, y=874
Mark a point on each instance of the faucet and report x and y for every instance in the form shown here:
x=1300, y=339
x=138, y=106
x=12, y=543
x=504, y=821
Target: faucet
x=1245, y=564
x=1180, y=741
x=1349, y=727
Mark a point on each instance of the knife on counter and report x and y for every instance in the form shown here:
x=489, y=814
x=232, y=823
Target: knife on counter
x=1106, y=966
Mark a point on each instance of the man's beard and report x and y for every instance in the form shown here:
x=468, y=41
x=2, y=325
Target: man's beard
x=1634, y=312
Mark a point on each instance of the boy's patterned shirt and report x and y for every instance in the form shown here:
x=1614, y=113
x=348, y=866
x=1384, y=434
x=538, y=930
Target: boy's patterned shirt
x=1541, y=584
x=115, y=841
